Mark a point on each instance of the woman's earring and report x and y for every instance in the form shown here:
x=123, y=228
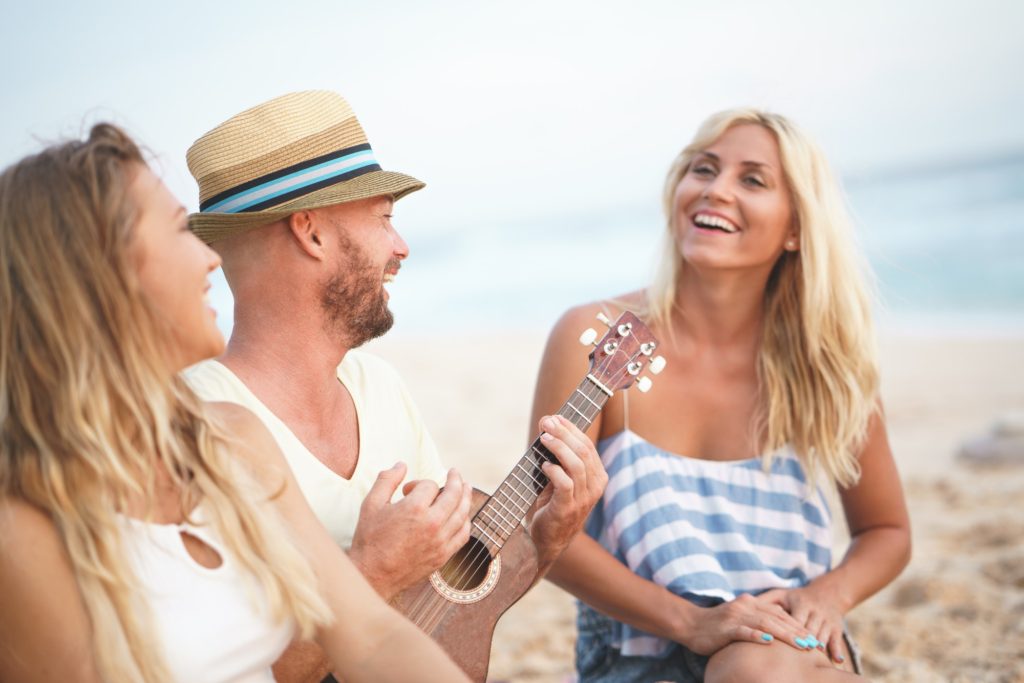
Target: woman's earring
x=791, y=244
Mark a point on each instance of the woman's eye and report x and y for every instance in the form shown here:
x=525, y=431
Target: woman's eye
x=702, y=170
x=754, y=180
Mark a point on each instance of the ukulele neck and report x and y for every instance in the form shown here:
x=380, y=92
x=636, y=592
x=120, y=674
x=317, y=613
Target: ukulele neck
x=502, y=514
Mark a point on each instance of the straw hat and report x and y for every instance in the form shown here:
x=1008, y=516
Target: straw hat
x=300, y=151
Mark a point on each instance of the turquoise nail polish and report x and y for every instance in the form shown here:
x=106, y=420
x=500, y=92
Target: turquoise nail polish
x=801, y=642
x=840, y=659
x=767, y=637
x=811, y=641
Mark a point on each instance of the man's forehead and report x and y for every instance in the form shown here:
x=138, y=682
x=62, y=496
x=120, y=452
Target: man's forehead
x=384, y=201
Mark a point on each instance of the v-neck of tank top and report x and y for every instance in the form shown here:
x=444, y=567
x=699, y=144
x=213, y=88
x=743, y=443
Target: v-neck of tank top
x=270, y=414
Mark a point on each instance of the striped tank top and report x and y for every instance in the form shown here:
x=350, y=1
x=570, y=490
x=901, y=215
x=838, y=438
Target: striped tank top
x=706, y=530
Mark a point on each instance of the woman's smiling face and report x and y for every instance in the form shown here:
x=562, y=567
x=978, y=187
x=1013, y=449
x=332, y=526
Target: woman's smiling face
x=733, y=207
x=172, y=265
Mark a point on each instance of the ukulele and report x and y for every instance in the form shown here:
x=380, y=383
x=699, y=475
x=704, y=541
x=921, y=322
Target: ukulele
x=460, y=604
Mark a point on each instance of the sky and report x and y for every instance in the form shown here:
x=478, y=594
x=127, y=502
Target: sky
x=512, y=112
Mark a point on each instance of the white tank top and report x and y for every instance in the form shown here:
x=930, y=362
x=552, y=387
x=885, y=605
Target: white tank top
x=211, y=622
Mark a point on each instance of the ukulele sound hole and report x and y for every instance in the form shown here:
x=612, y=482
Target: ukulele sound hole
x=467, y=568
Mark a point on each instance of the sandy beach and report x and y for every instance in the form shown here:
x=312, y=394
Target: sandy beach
x=956, y=614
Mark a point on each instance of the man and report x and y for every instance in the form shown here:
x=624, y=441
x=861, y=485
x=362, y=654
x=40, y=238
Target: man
x=294, y=201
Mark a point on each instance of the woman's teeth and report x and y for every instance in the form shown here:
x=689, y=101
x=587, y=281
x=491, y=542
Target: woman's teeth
x=714, y=222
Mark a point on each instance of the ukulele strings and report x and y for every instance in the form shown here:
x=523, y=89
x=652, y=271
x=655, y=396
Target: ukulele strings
x=431, y=605
x=422, y=614
x=482, y=555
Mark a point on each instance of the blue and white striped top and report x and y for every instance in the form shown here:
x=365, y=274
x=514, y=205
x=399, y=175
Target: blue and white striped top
x=707, y=530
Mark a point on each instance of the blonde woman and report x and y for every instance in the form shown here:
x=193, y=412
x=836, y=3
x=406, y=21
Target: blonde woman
x=708, y=558
x=143, y=536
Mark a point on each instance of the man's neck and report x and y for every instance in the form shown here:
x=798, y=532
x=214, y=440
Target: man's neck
x=292, y=370
x=268, y=355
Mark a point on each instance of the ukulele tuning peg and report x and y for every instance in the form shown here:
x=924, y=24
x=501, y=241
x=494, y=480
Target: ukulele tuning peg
x=644, y=384
x=657, y=364
x=588, y=337
x=604, y=319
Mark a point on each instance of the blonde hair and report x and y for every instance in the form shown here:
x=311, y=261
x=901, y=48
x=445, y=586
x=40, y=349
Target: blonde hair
x=817, y=366
x=86, y=408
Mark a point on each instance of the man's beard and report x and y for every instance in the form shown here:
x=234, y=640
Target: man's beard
x=353, y=299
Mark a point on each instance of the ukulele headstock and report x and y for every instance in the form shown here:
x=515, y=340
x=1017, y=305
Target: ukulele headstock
x=624, y=353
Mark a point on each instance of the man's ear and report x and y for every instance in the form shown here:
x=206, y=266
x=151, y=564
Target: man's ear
x=308, y=233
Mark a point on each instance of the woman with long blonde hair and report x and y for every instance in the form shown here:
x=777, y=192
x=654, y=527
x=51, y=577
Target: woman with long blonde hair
x=145, y=536
x=709, y=556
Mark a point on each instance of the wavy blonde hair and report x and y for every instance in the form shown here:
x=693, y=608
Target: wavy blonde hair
x=817, y=365
x=86, y=408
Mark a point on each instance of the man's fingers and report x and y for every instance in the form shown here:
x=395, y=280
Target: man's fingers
x=448, y=500
x=566, y=432
x=567, y=459
x=556, y=439
x=562, y=482
x=456, y=519
x=385, y=486
x=421, y=493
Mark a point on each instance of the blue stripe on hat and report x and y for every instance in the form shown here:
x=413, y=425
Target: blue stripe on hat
x=259, y=193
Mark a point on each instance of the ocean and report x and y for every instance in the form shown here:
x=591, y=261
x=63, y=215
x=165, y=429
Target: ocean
x=946, y=245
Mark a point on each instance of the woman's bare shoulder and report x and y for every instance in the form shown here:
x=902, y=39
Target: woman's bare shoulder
x=21, y=523
x=585, y=314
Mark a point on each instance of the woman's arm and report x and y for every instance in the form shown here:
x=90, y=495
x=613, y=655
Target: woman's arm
x=45, y=633
x=879, y=549
x=368, y=640
x=590, y=573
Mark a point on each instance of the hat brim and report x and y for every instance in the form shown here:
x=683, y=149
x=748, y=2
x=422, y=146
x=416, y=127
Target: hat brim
x=211, y=227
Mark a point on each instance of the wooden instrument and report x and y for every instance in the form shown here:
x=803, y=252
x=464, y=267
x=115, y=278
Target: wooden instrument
x=460, y=604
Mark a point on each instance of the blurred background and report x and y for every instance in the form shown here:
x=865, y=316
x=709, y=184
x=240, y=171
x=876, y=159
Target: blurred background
x=544, y=130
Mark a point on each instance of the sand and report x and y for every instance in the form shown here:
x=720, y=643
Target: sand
x=955, y=614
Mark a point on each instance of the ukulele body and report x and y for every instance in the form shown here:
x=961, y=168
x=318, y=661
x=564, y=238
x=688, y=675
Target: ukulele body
x=460, y=613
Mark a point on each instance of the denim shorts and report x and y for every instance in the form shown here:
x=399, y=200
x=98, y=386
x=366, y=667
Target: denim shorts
x=598, y=662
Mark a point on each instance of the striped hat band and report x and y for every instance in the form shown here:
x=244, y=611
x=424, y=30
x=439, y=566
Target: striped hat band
x=294, y=181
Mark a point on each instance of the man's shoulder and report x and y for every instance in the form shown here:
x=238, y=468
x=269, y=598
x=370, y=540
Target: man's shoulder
x=366, y=366
x=213, y=381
